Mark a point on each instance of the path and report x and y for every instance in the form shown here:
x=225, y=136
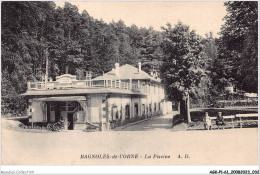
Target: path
x=153, y=124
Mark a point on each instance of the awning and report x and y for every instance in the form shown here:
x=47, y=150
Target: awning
x=66, y=98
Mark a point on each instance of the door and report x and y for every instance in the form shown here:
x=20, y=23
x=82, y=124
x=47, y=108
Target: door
x=70, y=119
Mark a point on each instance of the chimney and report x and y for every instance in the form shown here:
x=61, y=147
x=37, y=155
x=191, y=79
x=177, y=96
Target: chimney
x=117, y=69
x=67, y=69
x=88, y=75
x=139, y=67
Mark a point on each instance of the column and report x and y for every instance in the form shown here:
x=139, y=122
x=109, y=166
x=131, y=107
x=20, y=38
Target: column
x=108, y=117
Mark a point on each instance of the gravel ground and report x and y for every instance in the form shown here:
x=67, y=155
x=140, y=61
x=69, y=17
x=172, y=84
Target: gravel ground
x=153, y=138
x=14, y=125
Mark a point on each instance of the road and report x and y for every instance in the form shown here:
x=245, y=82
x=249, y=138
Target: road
x=153, y=124
x=153, y=142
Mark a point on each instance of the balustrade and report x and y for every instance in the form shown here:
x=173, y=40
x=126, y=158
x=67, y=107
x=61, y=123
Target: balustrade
x=116, y=84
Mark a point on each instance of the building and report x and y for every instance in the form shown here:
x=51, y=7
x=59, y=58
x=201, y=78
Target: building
x=123, y=95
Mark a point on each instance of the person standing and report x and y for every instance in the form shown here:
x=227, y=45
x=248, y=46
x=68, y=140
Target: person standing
x=207, y=121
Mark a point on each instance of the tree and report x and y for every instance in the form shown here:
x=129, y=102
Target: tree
x=207, y=91
x=21, y=31
x=239, y=43
x=151, y=52
x=181, y=70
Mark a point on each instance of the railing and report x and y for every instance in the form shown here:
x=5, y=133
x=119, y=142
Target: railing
x=240, y=116
x=78, y=84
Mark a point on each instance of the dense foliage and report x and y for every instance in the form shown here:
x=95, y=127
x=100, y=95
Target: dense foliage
x=76, y=42
x=238, y=46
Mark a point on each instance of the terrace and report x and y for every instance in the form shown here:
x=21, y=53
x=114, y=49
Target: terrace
x=68, y=81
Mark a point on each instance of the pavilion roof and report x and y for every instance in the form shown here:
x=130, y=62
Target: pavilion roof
x=127, y=72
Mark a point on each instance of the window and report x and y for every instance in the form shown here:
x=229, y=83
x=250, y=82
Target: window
x=29, y=104
x=154, y=107
x=127, y=111
x=52, y=106
x=143, y=107
x=80, y=107
x=63, y=106
x=116, y=113
x=71, y=106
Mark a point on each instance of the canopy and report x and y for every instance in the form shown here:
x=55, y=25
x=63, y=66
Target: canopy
x=65, y=98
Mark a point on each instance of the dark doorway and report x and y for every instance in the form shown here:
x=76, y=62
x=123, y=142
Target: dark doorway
x=57, y=111
x=136, y=109
x=127, y=112
x=48, y=112
x=70, y=119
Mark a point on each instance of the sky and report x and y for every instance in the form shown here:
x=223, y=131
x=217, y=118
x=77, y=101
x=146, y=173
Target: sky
x=200, y=16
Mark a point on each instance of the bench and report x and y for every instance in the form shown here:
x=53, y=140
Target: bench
x=240, y=116
x=226, y=117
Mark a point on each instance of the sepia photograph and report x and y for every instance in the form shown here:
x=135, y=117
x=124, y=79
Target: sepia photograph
x=138, y=83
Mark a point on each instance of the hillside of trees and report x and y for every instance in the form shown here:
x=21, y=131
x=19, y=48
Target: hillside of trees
x=32, y=31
